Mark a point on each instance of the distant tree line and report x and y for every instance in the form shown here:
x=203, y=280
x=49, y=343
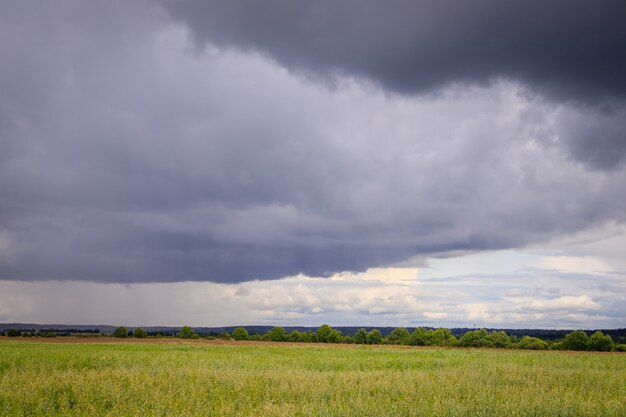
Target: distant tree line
x=577, y=340
x=50, y=332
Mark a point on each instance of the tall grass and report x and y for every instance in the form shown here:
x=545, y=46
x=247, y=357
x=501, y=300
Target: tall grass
x=38, y=378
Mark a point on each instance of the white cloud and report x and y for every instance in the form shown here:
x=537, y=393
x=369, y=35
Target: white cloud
x=570, y=303
x=481, y=312
x=435, y=315
x=578, y=264
x=382, y=275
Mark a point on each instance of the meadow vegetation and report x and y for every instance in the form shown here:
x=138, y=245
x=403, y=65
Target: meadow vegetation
x=195, y=377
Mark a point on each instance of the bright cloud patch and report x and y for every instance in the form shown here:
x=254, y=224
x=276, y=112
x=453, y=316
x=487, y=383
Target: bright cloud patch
x=575, y=264
x=568, y=303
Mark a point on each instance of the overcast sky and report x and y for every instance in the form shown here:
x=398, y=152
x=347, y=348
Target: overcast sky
x=359, y=162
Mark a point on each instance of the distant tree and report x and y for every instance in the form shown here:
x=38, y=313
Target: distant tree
x=600, y=342
x=451, y=342
x=374, y=337
x=399, y=336
x=620, y=347
x=121, y=332
x=277, y=334
x=140, y=333
x=187, y=333
x=337, y=337
x=475, y=338
x=293, y=336
x=418, y=337
x=13, y=333
x=429, y=337
x=499, y=339
x=326, y=334
x=576, y=340
x=554, y=345
x=531, y=343
x=240, y=333
x=360, y=337
x=439, y=337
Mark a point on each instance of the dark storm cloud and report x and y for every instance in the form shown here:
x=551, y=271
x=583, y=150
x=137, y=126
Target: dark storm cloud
x=127, y=156
x=563, y=48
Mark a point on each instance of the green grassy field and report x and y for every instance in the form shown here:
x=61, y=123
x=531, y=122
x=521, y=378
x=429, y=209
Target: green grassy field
x=38, y=378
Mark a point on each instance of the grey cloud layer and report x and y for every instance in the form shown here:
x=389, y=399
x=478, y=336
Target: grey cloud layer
x=128, y=156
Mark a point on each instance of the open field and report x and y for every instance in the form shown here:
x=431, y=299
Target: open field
x=105, y=377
